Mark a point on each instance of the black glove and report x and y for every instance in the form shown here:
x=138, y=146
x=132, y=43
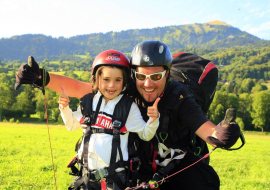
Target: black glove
x=227, y=131
x=31, y=74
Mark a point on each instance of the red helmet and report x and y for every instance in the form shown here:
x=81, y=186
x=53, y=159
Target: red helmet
x=111, y=57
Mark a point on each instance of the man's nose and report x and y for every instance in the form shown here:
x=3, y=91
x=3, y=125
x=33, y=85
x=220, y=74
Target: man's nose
x=147, y=82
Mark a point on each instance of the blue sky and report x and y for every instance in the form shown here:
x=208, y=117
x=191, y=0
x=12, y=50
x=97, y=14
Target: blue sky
x=75, y=17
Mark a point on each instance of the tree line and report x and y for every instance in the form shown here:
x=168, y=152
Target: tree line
x=241, y=85
x=253, y=105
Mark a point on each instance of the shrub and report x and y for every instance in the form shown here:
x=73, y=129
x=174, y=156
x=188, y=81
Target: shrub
x=11, y=120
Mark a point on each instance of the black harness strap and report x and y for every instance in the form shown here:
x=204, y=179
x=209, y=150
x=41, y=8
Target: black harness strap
x=88, y=133
x=107, y=131
x=115, y=147
x=119, y=119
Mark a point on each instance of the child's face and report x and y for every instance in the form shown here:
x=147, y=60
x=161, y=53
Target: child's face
x=110, y=82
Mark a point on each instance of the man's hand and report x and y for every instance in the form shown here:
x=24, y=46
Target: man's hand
x=227, y=131
x=63, y=99
x=152, y=111
x=31, y=74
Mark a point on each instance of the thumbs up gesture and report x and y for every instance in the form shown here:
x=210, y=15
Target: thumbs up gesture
x=227, y=131
x=63, y=99
x=152, y=111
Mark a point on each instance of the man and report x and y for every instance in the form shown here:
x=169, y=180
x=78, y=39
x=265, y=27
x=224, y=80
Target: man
x=151, y=61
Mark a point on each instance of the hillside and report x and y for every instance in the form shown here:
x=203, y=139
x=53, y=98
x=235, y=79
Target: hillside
x=211, y=35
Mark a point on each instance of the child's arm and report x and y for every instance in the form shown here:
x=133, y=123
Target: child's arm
x=70, y=118
x=135, y=122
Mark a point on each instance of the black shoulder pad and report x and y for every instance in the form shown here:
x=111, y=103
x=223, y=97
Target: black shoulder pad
x=174, y=93
x=86, y=104
x=122, y=109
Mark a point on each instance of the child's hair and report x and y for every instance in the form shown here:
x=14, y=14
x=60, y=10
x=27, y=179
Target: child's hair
x=95, y=78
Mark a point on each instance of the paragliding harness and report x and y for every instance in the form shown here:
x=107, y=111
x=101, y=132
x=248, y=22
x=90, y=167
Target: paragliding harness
x=198, y=77
x=82, y=172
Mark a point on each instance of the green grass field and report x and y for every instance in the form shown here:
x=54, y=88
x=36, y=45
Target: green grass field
x=25, y=159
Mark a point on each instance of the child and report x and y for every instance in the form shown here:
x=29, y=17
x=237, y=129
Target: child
x=110, y=74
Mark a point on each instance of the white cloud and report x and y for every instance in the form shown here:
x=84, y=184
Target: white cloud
x=253, y=30
x=246, y=18
x=213, y=17
x=232, y=22
x=254, y=10
x=248, y=4
x=265, y=13
x=246, y=27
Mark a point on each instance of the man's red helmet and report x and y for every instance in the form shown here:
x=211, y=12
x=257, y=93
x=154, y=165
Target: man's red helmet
x=111, y=57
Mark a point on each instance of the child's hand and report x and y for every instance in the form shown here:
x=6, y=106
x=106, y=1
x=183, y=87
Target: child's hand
x=152, y=111
x=63, y=99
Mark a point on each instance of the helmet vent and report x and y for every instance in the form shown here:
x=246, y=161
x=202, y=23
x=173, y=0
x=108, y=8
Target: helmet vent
x=146, y=58
x=161, y=48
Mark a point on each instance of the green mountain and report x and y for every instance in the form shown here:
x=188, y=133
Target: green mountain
x=210, y=35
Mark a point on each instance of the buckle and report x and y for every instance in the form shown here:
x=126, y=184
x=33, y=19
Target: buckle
x=103, y=172
x=87, y=120
x=134, y=163
x=99, y=174
x=116, y=127
x=95, y=175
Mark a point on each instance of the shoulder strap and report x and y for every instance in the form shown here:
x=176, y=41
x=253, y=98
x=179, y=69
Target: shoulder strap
x=175, y=94
x=86, y=108
x=86, y=103
x=122, y=109
x=119, y=119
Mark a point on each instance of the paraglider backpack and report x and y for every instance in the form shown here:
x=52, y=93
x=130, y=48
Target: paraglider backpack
x=200, y=76
x=119, y=118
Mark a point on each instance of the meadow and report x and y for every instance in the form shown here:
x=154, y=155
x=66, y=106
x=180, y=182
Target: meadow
x=26, y=162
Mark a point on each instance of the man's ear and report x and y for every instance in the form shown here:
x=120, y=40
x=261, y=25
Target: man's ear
x=167, y=73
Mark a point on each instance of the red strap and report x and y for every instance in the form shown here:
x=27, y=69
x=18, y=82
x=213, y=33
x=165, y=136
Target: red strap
x=103, y=184
x=154, y=165
x=177, y=54
x=207, y=69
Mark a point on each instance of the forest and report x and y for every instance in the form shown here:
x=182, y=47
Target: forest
x=243, y=84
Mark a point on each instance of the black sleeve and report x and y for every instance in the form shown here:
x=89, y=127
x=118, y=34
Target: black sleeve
x=191, y=114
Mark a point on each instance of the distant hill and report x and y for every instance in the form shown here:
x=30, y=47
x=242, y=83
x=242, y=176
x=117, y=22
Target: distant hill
x=211, y=35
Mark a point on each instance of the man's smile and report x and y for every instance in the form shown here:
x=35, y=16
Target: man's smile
x=149, y=90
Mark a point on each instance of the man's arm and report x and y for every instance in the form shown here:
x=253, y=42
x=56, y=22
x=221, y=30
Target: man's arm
x=74, y=88
x=205, y=130
x=30, y=73
x=223, y=135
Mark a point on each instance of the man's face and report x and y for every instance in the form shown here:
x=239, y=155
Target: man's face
x=150, y=90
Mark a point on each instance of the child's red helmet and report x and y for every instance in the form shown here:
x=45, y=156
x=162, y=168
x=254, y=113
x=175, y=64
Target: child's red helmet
x=111, y=57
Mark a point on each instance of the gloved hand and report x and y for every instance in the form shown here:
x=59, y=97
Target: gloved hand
x=31, y=74
x=227, y=131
